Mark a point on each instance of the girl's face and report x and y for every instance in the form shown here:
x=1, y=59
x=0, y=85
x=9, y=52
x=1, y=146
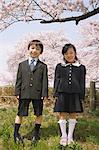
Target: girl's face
x=34, y=51
x=70, y=55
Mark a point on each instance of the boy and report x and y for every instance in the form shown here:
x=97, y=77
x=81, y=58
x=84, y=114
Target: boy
x=31, y=85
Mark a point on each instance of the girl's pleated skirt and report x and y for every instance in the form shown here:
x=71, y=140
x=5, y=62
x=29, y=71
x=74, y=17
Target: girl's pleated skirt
x=67, y=102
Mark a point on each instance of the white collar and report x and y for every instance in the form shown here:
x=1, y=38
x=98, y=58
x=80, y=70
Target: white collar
x=77, y=64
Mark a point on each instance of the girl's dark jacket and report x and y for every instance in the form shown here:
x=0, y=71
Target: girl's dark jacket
x=70, y=78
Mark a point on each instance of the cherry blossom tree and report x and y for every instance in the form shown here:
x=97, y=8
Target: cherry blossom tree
x=53, y=43
x=90, y=58
x=89, y=49
x=90, y=33
x=46, y=11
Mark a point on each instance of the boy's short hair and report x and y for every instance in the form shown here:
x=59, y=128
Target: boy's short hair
x=37, y=43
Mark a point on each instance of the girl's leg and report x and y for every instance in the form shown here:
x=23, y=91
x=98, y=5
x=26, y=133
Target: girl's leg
x=72, y=122
x=62, y=124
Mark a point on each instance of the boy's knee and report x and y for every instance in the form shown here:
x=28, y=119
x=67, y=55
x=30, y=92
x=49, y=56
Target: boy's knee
x=39, y=119
x=18, y=119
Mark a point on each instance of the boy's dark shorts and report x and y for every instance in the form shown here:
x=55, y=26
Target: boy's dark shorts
x=24, y=107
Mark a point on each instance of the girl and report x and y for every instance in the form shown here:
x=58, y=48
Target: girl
x=69, y=91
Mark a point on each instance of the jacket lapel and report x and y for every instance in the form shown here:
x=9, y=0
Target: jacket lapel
x=27, y=65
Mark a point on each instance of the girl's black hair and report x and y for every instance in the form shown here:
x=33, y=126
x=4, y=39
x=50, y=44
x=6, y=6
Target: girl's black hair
x=37, y=43
x=66, y=47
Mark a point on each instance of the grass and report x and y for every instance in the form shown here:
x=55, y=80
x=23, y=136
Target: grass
x=86, y=133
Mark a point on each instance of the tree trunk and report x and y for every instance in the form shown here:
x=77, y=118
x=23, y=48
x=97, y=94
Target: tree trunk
x=92, y=96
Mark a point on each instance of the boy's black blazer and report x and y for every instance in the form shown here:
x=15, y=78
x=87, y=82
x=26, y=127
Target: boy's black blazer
x=70, y=79
x=32, y=85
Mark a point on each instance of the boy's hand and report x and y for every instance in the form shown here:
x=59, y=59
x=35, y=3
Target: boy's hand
x=17, y=97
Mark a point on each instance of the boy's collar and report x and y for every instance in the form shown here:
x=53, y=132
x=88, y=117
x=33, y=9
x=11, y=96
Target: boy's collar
x=35, y=60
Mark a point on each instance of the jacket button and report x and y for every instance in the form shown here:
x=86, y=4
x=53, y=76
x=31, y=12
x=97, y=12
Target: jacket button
x=30, y=84
x=70, y=71
x=70, y=75
x=69, y=82
x=69, y=78
x=31, y=78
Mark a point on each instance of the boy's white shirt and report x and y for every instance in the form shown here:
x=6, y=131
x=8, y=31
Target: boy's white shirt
x=35, y=62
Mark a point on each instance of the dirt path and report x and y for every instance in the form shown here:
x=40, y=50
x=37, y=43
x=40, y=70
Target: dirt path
x=1, y=148
x=2, y=106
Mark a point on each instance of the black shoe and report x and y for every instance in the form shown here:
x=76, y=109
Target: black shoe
x=35, y=138
x=18, y=138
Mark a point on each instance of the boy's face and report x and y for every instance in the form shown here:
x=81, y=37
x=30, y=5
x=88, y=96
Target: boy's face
x=34, y=51
x=70, y=55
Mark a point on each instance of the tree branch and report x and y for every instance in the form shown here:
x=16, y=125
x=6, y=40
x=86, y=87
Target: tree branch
x=43, y=9
x=77, y=19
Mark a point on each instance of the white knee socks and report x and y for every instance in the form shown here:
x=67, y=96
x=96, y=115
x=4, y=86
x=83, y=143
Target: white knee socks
x=71, y=127
x=72, y=123
x=62, y=123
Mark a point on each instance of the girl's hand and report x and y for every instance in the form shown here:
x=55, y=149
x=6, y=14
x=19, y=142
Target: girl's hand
x=55, y=98
x=44, y=98
x=47, y=101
